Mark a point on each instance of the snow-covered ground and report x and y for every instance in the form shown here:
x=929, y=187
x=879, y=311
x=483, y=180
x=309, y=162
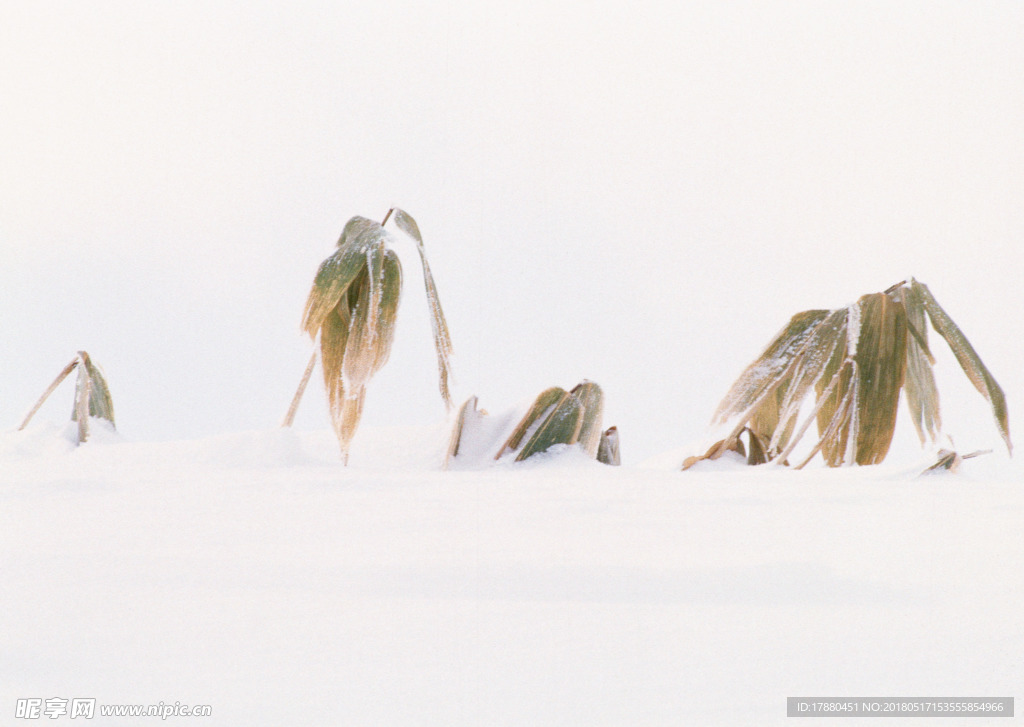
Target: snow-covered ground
x=253, y=573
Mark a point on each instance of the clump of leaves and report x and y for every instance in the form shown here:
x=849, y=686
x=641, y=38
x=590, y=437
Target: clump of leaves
x=559, y=417
x=92, y=395
x=352, y=307
x=856, y=360
x=556, y=416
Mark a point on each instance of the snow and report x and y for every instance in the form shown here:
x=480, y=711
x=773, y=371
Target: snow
x=254, y=573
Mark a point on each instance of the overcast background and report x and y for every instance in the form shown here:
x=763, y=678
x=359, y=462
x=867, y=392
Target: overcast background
x=637, y=193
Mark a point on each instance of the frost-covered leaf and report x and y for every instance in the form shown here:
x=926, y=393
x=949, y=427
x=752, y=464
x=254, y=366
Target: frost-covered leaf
x=920, y=388
x=367, y=343
x=810, y=367
x=408, y=225
x=968, y=359
x=336, y=274
x=881, y=364
x=359, y=228
x=835, y=433
x=770, y=369
x=391, y=294
x=832, y=394
x=442, y=338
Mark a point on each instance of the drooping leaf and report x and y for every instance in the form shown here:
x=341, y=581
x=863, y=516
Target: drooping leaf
x=968, y=359
x=770, y=369
x=544, y=401
x=809, y=369
x=881, y=365
x=832, y=389
x=608, y=451
x=830, y=429
x=333, y=340
x=920, y=388
x=836, y=432
x=442, y=338
x=364, y=337
x=391, y=294
x=336, y=274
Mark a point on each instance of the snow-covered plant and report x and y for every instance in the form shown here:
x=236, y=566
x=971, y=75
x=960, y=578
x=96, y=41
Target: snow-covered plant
x=352, y=307
x=556, y=416
x=559, y=417
x=857, y=360
x=92, y=395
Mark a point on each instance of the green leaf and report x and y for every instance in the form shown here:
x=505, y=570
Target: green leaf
x=968, y=359
x=544, y=401
x=561, y=426
x=337, y=273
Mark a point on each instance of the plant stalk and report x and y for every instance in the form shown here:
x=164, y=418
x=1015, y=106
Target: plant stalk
x=56, y=382
x=290, y=416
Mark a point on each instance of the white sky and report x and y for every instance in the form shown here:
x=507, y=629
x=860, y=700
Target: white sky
x=638, y=193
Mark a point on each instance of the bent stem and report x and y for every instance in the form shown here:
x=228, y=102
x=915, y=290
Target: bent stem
x=56, y=382
x=290, y=416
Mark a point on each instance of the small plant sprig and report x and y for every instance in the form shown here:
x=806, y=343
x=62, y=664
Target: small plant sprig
x=556, y=416
x=92, y=396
